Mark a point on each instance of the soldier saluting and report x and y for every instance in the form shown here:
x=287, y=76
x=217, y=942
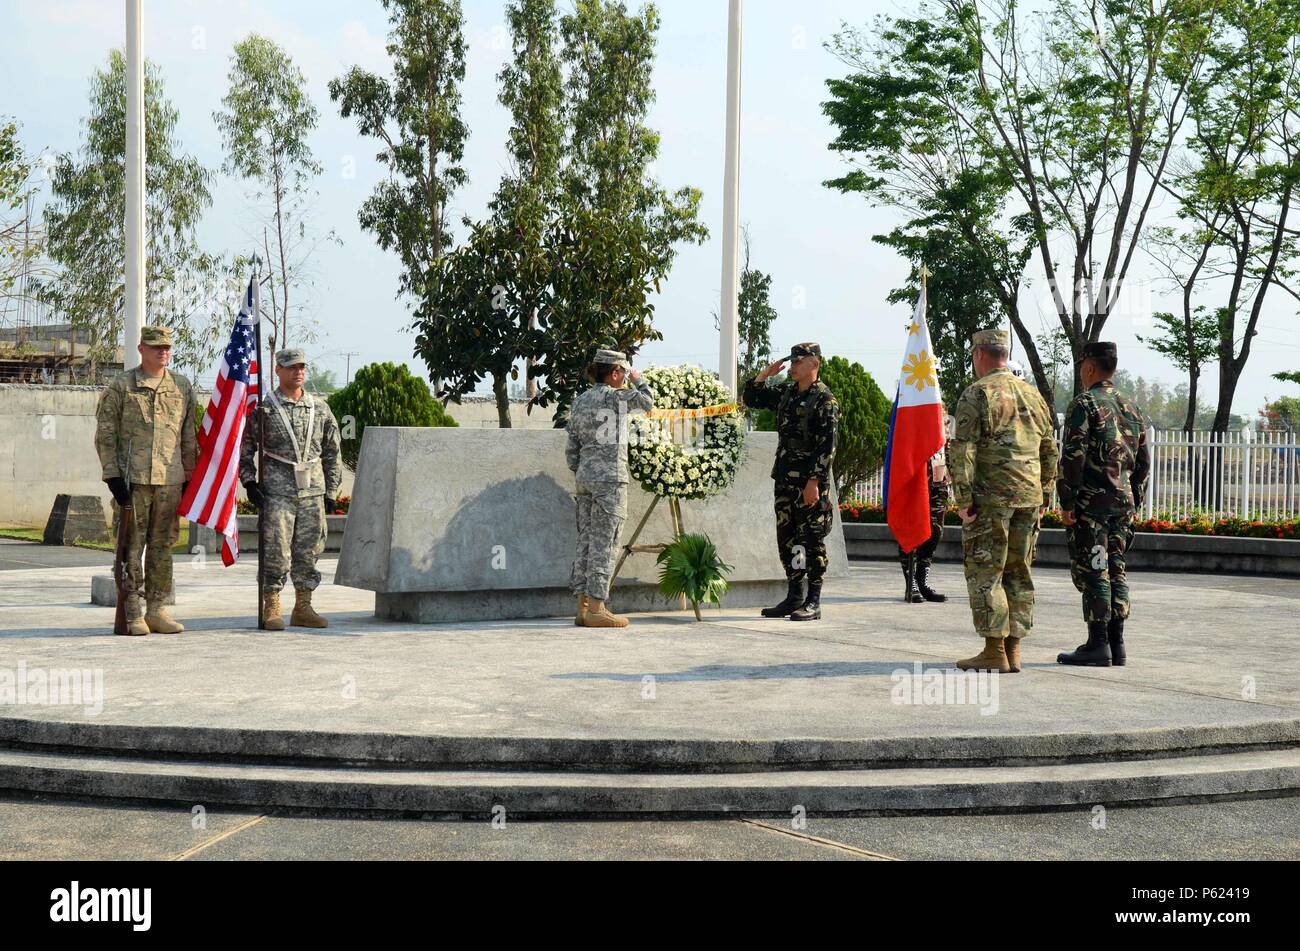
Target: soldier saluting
x=596, y=453
x=807, y=425
x=1104, y=469
x=148, y=446
x=299, y=487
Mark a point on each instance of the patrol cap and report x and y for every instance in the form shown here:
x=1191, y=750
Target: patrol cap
x=155, y=336
x=991, y=338
x=801, y=350
x=615, y=357
x=1100, y=350
x=290, y=356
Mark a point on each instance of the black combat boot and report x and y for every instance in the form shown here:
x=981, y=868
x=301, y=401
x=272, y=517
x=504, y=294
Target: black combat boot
x=923, y=583
x=910, y=594
x=812, y=607
x=1115, y=634
x=1095, y=653
x=793, y=601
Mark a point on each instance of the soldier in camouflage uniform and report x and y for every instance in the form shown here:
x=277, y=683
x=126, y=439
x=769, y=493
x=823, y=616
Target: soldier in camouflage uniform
x=1002, y=460
x=916, y=564
x=148, y=413
x=298, y=489
x=1104, y=468
x=807, y=423
x=596, y=452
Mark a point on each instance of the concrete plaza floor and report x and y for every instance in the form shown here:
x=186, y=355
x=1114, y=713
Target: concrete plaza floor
x=1203, y=650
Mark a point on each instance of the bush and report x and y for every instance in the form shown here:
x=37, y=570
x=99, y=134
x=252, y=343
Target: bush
x=864, y=421
x=383, y=394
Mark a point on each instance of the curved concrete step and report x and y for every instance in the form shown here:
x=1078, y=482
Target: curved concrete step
x=567, y=793
x=685, y=755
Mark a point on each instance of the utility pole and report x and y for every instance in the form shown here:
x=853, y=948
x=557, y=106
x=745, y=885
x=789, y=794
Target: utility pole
x=347, y=374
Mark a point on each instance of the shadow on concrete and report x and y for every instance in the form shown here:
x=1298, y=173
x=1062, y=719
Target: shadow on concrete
x=770, y=672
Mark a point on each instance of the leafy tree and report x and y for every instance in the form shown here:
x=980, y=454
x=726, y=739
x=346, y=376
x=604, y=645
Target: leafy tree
x=86, y=230
x=15, y=188
x=864, y=422
x=1282, y=413
x=321, y=381
x=1287, y=377
x=1046, y=136
x=265, y=122
x=1188, y=341
x=415, y=116
x=383, y=394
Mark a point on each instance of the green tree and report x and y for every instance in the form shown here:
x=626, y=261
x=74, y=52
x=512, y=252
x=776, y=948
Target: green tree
x=1288, y=377
x=266, y=120
x=321, y=381
x=1282, y=413
x=1070, y=118
x=415, y=117
x=754, y=318
x=864, y=422
x=16, y=250
x=383, y=394
x=615, y=232
x=1188, y=341
x=1238, y=189
x=85, y=226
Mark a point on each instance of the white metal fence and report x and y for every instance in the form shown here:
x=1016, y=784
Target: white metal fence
x=1248, y=474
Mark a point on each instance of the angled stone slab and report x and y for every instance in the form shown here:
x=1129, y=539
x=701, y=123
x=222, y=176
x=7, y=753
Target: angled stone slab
x=452, y=524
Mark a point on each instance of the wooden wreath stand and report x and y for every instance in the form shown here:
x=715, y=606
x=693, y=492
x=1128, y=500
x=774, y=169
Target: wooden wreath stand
x=675, y=510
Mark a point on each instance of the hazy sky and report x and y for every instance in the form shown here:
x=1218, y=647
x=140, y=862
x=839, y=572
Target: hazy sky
x=829, y=279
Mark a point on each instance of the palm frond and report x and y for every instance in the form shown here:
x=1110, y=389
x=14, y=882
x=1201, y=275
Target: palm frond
x=691, y=567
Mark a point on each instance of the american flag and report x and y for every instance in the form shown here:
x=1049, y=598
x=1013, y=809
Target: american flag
x=210, y=498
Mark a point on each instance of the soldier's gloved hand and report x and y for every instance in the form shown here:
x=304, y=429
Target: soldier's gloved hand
x=255, y=495
x=331, y=507
x=117, y=485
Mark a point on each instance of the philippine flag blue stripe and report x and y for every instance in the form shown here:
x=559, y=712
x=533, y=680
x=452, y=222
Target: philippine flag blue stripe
x=889, y=454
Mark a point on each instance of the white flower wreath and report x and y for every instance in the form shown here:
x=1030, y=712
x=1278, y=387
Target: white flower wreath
x=695, y=471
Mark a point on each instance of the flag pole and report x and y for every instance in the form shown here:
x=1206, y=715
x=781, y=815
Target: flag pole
x=261, y=443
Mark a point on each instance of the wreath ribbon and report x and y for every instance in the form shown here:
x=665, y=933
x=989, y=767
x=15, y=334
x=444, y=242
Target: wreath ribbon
x=720, y=409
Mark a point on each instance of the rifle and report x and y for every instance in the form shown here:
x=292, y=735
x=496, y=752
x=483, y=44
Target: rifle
x=125, y=516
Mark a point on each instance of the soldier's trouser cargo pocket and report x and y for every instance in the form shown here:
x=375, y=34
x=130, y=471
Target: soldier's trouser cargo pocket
x=153, y=534
x=998, y=549
x=1097, y=546
x=296, y=530
x=601, y=509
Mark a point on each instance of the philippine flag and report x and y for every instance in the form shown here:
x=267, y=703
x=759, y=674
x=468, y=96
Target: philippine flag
x=915, y=434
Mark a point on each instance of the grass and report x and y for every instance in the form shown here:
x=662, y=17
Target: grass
x=38, y=535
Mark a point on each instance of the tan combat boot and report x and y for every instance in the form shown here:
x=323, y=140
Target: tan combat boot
x=159, y=621
x=1012, y=645
x=303, y=613
x=580, y=619
x=135, y=626
x=598, y=616
x=993, y=657
x=271, y=611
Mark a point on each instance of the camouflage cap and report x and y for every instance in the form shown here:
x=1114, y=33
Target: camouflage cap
x=1101, y=350
x=801, y=350
x=991, y=338
x=290, y=356
x=155, y=336
x=611, y=356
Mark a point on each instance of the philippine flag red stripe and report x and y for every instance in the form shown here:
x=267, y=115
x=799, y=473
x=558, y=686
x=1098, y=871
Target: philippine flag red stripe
x=210, y=498
x=916, y=434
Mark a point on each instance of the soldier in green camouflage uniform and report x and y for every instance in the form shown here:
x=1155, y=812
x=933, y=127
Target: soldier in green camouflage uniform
x=148, y=412
x=596, y=452
x=807, y=423
x=1002, y=460
x=298, y=489
x=1104, y=468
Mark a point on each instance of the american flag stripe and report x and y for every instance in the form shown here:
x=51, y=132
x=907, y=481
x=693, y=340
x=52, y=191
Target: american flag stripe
x=210, y=499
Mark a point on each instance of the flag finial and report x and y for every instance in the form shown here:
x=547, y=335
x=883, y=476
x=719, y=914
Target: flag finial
x=925, y=273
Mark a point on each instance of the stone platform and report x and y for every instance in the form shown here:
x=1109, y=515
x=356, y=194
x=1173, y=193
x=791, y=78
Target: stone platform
x=733, y=715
